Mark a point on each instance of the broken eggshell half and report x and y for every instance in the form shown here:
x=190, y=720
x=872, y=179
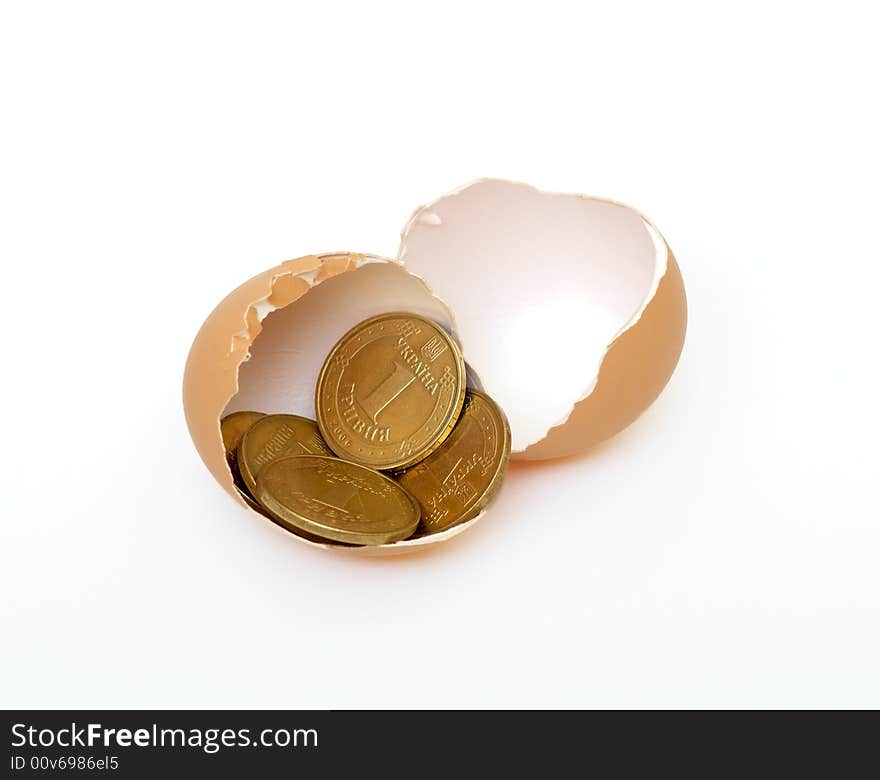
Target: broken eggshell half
x=263, y=346
x=570, y=308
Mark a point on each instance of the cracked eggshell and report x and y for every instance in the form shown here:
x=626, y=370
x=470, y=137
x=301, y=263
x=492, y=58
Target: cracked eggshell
x=571, y=309
x=298, y=309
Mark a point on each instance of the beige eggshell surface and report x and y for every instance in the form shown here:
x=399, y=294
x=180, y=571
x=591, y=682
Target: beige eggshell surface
x=223, y=342
x=571, y=309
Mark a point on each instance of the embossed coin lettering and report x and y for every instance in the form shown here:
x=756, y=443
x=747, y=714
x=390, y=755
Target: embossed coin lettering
x=276, y=436
x=459, y=479
x=336, y=500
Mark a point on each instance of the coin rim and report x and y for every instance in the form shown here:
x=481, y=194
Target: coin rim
x=301, y=523
x=430, y=445
x=244, y=468
x=233, y=454
x=256, y=506
x=488, y=495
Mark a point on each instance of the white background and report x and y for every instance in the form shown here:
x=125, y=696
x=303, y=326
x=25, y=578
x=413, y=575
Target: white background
x=723, y=551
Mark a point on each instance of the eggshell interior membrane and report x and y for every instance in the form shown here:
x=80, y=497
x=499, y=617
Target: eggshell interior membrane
x=263, y=346
x=570, y=309
x=282, y=371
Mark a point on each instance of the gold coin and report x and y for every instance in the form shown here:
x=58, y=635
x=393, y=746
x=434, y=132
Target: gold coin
x=336, y=500
x=276, y=436
x=459, y=479
x=233, y=427
x=390, y=391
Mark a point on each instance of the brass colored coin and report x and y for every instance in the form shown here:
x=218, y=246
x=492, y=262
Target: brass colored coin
x=233, y=427
x=390, y=391
x=257, y=507
x=276, y=436
x=337, y=500
x=459, y=479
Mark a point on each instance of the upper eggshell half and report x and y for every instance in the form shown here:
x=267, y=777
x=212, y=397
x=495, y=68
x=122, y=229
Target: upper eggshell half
x=570, y=309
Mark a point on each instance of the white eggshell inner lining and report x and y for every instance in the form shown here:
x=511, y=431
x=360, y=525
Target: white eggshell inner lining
x=287, y=355
x=540, y=284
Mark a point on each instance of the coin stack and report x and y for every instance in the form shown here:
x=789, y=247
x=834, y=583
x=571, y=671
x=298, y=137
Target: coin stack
x=401, y=446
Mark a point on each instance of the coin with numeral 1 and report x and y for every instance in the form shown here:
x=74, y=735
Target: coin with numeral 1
x=333, y=499
x=276, y=436
x=390, y=391
x=459, y=479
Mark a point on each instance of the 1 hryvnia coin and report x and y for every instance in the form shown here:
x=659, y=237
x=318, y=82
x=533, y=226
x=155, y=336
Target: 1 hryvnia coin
x=336, y=500
x=276, y=436
x=390, y=391
x=459, y=479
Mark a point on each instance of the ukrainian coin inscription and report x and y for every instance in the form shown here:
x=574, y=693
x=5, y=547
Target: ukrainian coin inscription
x=336, y=500
x=459, y=479
x=276, y=436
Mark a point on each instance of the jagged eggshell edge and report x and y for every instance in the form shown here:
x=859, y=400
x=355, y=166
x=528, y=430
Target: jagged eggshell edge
x=223, y=343
x=637, y=362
